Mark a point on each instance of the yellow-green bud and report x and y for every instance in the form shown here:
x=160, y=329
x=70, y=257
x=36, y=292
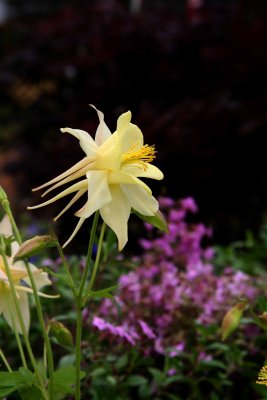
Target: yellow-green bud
x=61, y=333
x=232, y=318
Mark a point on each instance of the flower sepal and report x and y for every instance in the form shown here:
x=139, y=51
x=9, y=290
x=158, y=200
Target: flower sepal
x=157, y=220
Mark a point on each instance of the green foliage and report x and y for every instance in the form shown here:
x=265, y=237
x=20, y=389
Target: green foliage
x=15, y=381
x=248, y=255
x=65, y=381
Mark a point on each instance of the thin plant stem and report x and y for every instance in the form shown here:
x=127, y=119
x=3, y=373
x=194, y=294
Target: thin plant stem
x=4, y=359
x=89, y=253
x=66, y=267
x=78, y=346
x=23, y=328
x=79, y=307
x=7, y=208
x=96, y=264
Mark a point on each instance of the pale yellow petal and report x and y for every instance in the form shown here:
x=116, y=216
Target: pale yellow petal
x=5, y=226
x=25, y=311
x=18, y=271
x=76, y=175
x=87, y=143
x=98, y=193
x=14, y=248
x=140, y=200
x=77, y=167
x=10, y=313
x=147, y=171
x=102, y=132
x=78, y=226
x=109, y=154
x=121, y=177
x=130, y=135
x=25, y=289
x=116, y=215
x=73, y=200
x=40, y=277
x=76, y=187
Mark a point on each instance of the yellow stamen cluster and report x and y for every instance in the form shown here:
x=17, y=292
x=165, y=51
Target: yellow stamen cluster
x=143, y=155
x=262, y=376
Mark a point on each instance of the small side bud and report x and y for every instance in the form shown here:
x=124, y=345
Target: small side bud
x=232, y=318
x=4, y=199
x=263, y=318
x=3, y=195
x=35, y=245
x=62, y=335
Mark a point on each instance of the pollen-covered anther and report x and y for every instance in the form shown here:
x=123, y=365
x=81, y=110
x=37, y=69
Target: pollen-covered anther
x=262, y=376
x=142, y=155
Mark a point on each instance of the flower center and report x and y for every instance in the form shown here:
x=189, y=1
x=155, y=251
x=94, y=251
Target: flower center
x=142, y=155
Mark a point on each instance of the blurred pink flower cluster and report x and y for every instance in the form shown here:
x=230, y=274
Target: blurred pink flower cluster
x=173, y=287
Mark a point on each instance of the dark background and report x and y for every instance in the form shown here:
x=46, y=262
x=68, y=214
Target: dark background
x=193, y=73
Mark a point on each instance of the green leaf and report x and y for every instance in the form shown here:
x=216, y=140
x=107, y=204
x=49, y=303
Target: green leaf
x=13, y=381
x=104, y=293
x=136, y=380
x=31, y=393
x=64, y=380
x=157, y=375
x=122, y=361
x=157, y=220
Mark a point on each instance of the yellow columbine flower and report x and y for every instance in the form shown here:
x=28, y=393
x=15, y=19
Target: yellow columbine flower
x=262, y=376
x=21, y=282
x=112, y=167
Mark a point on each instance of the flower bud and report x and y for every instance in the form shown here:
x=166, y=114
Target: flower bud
x=61, y=333
x=232, y=318
x=33, y=246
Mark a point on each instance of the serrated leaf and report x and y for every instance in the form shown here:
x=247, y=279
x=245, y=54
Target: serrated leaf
x=104, y=293
x=13, y=381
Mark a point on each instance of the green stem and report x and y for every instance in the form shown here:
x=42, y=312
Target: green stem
x=7, y=209
x=66, y=267
x=89, y=253
x=7, y=365
x=78, y=346
x=96, y=264
x=257, y=319
x=21, y=321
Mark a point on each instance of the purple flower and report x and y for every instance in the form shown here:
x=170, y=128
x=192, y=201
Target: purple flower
x=188, y=204
x=171, y=371
x=172, y=288
x=146, y=330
